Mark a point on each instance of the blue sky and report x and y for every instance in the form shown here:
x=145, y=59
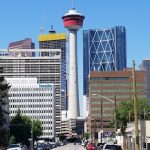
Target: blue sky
x=20, y=19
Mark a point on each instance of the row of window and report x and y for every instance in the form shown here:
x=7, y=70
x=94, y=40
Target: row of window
x=40, y=105
x=31, y=95
x=99, y=102
x=110, y=96
x=93, y=90
x=32, y=111
x=36, y=89
x=116, y=84
x=29, y=100
x=104, y=115
x=110, y=78
x=47, y=134
x=46, y=123
x=29, y=61
x=16, y=70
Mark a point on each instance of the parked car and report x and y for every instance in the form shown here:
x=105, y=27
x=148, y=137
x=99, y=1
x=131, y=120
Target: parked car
x=100, y=146
x=82, y=144
x=43, y=146
x=15, y=147
x=91, y=146
x=24, y=147
x=40, y=146
x=53, y=144
x=112, y=147
x=85, y=144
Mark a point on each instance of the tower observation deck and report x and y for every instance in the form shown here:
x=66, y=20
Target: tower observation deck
x=73, y=20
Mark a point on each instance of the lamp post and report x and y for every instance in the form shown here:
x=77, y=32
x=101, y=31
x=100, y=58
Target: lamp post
x=30, y=114
x=110, y=100
x=32, y=134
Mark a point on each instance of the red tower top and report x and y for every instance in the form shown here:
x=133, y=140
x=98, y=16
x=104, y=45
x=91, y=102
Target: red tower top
x=73, y=19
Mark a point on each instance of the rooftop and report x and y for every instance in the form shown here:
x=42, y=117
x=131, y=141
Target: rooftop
x=72, y=12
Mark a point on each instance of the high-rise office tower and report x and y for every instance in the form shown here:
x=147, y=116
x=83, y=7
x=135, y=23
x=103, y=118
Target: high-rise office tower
x=145, y=65
x=22, y=44
x=54, y=40
x=103, y=50
x=73, y=22
x=46, y=68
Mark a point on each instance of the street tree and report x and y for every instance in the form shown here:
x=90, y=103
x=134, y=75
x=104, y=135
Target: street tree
x=12, y=140
x=24, y=125
x=86, y=136
x=20, y=127
x=37, y=129
x=125, y=113
x=4, y=112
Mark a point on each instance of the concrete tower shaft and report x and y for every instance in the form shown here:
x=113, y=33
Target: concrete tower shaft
x=73, y=21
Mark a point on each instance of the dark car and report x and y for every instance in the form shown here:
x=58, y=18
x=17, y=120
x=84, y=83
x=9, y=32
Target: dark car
x=100, y=146
x=43, y=146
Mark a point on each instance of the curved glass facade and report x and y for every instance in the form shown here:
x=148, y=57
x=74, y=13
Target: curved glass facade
x=103, y=50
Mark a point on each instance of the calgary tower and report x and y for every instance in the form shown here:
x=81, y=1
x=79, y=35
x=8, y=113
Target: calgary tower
x=73, y=22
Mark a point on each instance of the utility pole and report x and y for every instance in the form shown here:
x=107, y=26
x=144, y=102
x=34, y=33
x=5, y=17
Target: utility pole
x=101, y=120
x=144, y=114
x=129, y=115
x=135, y=108
x=115, y=115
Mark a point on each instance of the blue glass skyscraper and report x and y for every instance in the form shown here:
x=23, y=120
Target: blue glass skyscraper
x=103, y=50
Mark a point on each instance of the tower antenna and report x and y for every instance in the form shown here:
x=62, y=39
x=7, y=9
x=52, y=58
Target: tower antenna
x=72, y=4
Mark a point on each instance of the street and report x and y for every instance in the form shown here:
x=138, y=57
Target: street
x=70, y=146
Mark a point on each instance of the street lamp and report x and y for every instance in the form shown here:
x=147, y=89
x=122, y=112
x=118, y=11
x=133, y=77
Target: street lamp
x=32, y=135
x=110, y=100
x=31, y=115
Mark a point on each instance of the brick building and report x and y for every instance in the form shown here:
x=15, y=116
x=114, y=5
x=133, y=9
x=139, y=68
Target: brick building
x=113, y=85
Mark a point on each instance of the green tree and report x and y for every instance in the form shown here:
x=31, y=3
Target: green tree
x=12, y=139
x=23, y=124
x=37, y=129
x=20, y=127
x=125, y=113
x=86, y=136
x=4, y=114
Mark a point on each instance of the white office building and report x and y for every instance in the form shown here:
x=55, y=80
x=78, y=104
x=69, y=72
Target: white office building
x=43, y=64
x=35, y=100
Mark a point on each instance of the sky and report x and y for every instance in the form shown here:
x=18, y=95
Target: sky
x=21, y=19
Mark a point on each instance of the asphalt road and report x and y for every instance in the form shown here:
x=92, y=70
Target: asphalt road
x=70, y=147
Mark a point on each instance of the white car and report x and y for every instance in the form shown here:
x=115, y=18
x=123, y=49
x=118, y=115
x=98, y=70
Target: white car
x=111, y=147
x=14, y=147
